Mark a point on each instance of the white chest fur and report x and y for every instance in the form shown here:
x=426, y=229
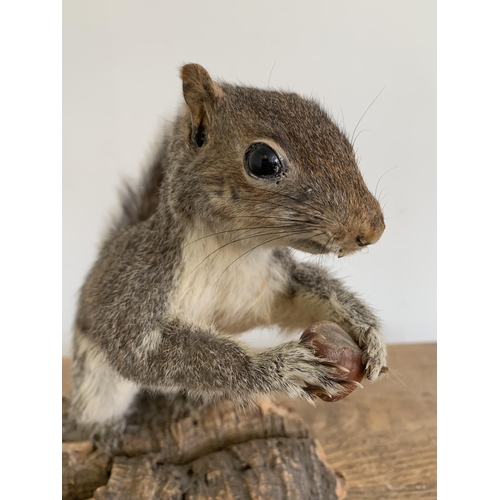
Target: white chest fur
x=225, y=285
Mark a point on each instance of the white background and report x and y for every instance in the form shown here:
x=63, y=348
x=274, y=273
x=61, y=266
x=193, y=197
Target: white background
x=120, y=81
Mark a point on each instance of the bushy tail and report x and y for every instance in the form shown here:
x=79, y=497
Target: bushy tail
x=140, y=201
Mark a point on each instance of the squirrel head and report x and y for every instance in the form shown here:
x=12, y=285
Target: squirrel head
x=267, y=166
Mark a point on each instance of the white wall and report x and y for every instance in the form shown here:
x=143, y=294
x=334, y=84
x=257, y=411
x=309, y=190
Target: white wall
x=120, y=77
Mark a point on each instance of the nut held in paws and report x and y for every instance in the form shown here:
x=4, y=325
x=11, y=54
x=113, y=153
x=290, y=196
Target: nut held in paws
x=336, y=347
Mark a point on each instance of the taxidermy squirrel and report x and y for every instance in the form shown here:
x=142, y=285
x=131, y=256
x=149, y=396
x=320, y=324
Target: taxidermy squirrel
x=201, y=252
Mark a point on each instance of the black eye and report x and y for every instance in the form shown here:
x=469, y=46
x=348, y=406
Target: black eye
x=262, y=161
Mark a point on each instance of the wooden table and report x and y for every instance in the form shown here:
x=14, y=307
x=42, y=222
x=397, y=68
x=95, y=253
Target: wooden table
x=382, y=438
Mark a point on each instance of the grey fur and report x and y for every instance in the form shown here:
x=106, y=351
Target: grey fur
x=142, y=324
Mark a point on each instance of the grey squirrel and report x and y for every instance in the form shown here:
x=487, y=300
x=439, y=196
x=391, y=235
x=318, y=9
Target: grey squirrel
x=201, y=252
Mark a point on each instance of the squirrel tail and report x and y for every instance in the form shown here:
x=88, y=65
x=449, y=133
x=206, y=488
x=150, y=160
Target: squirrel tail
x=140, y=201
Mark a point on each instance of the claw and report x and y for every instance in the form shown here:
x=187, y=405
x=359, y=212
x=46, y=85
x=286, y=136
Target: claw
x=338, y=367
x=353, y=382
x=311, y=337
x=319, y=392
x=346, y=381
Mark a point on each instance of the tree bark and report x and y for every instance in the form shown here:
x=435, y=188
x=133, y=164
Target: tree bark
x=171, y=450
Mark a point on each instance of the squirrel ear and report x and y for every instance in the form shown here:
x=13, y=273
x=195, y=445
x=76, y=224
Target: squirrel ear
x=200, y=93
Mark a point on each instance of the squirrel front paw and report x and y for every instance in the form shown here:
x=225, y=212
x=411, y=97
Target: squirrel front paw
x=295, y=370
x=374, y=353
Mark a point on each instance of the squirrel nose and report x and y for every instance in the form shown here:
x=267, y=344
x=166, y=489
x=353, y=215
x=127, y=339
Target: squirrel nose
x=369, y=233
x=361, y=242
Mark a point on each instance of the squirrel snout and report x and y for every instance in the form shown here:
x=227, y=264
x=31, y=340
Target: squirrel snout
x=371, y=233
x=368, y=234
x=362, y=242
x=370, y=237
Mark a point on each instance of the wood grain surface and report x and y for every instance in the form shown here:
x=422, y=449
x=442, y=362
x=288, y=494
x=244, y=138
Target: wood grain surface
x=382, y=438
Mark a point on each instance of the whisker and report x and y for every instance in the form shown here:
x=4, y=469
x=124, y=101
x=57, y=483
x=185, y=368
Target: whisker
x=234, y=230
x=386, y=172
x=257, y=246
x=314, y=216
x=382, y=199
x=259, y=200
x=367, y=109
x=391, y=371
x=236, y=241
x=270, y=74
x=296, y=200
x=302, y=202
x=266, y=217
x=285, y=219
x=317, y=215
x=163, y=118
x=359, y=133
x=378, y=197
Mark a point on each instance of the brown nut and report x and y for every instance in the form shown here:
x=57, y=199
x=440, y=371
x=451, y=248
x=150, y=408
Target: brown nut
x=333, y=345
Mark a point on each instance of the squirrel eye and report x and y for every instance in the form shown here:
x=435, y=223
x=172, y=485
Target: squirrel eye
x=262, y=161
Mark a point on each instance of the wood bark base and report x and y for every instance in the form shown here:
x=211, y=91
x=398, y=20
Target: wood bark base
x=170, y=450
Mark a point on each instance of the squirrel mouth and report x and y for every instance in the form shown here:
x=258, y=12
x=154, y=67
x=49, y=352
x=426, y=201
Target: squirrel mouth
x=311, y=246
